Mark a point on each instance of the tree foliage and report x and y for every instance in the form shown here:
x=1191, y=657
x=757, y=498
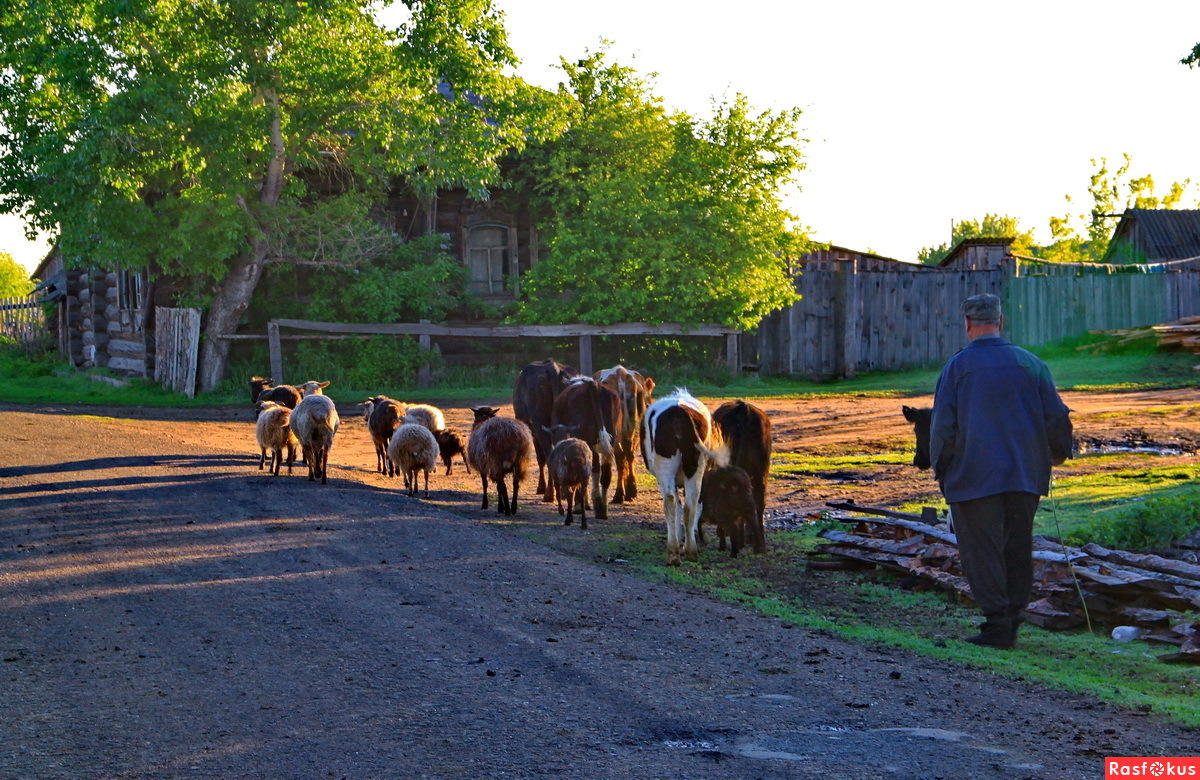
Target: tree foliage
x=1083, y=236
x=990, y=226
x=658, y=216
x=172, y=134
x=14, y=279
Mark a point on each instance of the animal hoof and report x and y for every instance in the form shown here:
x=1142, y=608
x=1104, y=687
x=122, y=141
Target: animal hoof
x=672, y=560
x=692, y=555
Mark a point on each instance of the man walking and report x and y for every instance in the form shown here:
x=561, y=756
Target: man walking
x=998, y=425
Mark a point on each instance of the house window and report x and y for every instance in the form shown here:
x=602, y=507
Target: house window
x=489, y=259
x=130, y=298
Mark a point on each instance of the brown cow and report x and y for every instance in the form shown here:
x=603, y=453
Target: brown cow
x=746, y=431
x=533, y=404
x=634, y=391
x=593, y=412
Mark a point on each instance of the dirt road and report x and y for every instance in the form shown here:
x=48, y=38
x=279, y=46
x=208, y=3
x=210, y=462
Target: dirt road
x=170, y=611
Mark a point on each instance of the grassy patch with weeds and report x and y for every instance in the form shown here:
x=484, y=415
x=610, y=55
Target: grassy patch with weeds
x=871, y=608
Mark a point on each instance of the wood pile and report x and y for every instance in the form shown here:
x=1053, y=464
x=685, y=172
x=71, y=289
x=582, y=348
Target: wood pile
x=1117, y=587
x=1184, y=333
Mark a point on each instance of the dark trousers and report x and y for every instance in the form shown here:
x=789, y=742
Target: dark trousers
x=995, y=542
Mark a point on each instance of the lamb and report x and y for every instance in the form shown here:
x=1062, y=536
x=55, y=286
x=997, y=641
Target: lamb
x=384, y=419
x=315, y=421
x=262, y=390
x=727, y=498
x=274, y=433
x=500, y=446
x=413, y=448
x=450, y=443
x=312, y=388
x=570, y=471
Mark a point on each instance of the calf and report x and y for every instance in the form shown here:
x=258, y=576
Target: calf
x=746, y=431
x=921, y=418
x=499, y=446
x=678, y=441
x=593, y=411
x=570, y=471
x=727, y=499
x=533, y=404
x=634, y=391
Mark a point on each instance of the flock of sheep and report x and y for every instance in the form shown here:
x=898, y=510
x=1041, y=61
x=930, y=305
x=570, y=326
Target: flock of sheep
x=575, y=428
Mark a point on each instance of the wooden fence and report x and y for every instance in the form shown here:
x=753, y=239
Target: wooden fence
x=851, y=319
x=425, y=331
x=22, y=320
x=176, y=348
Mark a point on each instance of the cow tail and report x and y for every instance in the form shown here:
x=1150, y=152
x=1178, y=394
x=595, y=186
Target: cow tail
x=604, y=442
x=719, y=452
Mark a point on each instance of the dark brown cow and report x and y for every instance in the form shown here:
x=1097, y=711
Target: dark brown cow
x=746, y=431
x=634, y=391
x=593, y=412
x=533, y=404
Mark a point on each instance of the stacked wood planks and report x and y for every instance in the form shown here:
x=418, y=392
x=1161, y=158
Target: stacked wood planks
x=1117, y=587
x=1183, y=333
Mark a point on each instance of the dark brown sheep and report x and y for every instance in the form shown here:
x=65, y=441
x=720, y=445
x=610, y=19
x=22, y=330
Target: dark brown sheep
x=450, y=443
x=383, y=422
x=262, y=390
x=500, y=446
x=569, y=470
x=727, y=500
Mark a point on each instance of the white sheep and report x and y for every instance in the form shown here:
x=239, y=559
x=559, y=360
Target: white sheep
x=413, y=448
x=315, y=421
x=312, y=388
x=274, y=432
x=429, y=416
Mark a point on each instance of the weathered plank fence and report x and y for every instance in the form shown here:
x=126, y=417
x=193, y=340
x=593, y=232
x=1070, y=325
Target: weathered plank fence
x=176, y=348
x=22, y=320
x=425, y=331
x=853, y=318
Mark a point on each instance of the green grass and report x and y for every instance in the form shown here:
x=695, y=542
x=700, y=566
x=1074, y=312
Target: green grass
x=1141, y=366
x=871, y=609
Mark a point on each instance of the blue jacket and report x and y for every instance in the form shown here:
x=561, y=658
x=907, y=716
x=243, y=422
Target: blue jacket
x=998, y=422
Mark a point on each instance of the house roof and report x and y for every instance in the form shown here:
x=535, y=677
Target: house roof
x=1163, y=234
x=961, y=246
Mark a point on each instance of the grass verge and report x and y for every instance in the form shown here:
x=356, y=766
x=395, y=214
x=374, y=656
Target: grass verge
x=870, y=608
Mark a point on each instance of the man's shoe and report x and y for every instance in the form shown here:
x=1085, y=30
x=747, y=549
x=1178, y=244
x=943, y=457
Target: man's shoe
x=1001, y=634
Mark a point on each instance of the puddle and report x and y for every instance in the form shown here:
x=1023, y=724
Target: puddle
x=689, y=744
x=917, y=731
x=1118, y=449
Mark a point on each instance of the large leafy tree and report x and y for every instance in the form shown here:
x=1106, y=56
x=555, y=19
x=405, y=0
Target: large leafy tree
x=990, y=226
x=14, y=280
x=657, y=216
x=194, y=135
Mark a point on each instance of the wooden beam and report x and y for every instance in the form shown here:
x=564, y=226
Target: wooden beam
x=509, y=331
x=733, y=360
x=423, y=372
x=276, y=351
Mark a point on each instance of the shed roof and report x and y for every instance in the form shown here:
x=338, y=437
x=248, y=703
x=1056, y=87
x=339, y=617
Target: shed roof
x=961, y=246
x=1163, y=234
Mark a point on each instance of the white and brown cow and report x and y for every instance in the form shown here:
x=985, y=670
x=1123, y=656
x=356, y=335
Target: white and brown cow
x=634, y=391
x=678, y=442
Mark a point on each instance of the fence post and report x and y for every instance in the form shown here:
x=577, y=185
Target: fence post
x=585, y=355
x=733, y=358
x=847, y=318
x=276, y=351
x=425, y=342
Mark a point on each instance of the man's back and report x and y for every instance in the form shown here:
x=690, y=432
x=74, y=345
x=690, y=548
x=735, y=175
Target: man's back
x=996, y=419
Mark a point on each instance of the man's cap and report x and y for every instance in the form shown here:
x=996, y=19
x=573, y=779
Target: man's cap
x=984, y=307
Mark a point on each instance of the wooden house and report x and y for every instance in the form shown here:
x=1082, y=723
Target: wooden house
x=1155, y=236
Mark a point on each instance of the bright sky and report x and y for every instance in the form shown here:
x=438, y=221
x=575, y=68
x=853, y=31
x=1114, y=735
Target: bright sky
x=918, y=113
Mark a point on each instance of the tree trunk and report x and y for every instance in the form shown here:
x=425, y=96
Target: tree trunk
x=225, y=312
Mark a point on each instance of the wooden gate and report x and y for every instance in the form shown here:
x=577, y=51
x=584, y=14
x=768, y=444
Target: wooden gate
x=177, y=345
x=22, y=320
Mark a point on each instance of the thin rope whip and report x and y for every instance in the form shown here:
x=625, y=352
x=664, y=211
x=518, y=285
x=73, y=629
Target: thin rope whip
x=1070, y=566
